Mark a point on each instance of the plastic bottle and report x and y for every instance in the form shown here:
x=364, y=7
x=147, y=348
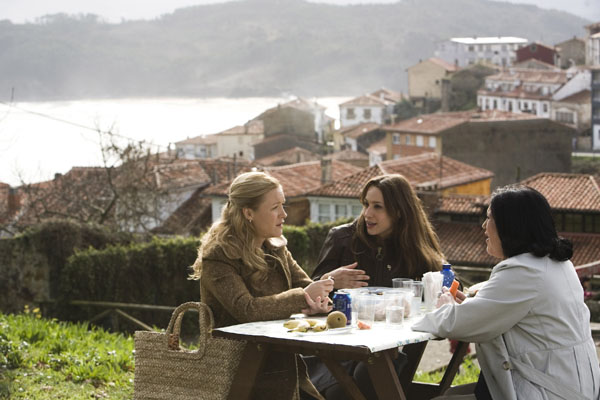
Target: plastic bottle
x=448, y=275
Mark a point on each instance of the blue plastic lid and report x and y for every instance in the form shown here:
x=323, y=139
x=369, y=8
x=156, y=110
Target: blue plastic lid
x=446, y=266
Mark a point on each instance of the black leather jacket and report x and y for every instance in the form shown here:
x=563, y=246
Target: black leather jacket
x=381, y=264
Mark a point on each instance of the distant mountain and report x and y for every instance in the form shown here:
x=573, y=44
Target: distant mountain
x=253, y=48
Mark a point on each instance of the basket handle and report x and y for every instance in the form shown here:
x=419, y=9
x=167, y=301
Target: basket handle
x=205, y=320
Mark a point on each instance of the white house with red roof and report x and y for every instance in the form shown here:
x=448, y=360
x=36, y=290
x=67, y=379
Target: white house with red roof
x=374, y=107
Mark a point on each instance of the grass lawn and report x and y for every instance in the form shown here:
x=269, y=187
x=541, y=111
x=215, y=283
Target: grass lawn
x=47, y=359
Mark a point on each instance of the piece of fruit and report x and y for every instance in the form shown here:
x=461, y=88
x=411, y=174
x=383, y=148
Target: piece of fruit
x=336, y=319
x=312, y=322
x=362, y=325
x=454, y=288
x=320, y=327
x=292, y=323
x=302, y=328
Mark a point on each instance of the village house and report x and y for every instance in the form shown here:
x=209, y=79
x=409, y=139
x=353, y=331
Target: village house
x=376, y=107
x=571, y=52
x=356, y=158
x=428, y=173
x=537, y=51
x=358, y=137
x=233, y=142
x=426, y=80
x=512, y=146
x=521, y=90
x=290, y=156
x=297, y=180
x=465, y=51
x=575, y=202
x=595, y=107
x=532, y=63
x=592, y=46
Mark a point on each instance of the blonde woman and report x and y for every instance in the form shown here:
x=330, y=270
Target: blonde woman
x=247, y=274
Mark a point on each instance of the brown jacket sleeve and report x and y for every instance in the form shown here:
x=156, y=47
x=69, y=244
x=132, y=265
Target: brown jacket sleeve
x=222, y=278
x=299, y=277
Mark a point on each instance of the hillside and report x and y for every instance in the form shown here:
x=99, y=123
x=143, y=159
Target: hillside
x=253, y=48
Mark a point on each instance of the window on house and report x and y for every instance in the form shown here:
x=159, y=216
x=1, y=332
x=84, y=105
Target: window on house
x=396, y=138
x=495, y=104
x=406, y=139
x=350, y=113
x=432, y=141
x=534, y=108
x=545, y=107
x=420, y=140
x=510, y=105
x=356, y=210
x=340, y=211
x=573, y=222
x=396, y=157
x=566, y=117
x=471, y=48
x=324, y=213
x=367, y=113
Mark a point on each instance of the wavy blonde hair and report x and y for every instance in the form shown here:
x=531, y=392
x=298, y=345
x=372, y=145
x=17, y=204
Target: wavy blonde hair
x=233, y=232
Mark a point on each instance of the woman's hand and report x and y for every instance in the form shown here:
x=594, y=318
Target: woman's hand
x=447, y=298
x=319, y=289
x=347, y=277
x=320, y=306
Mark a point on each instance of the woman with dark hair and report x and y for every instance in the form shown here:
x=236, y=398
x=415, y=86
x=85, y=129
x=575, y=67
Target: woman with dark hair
x=391, y=238
x=529, y=322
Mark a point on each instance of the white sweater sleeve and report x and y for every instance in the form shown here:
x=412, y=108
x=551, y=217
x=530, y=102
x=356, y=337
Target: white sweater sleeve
x=504, y=300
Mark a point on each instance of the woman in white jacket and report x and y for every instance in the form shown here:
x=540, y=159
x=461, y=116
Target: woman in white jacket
x=529, y=322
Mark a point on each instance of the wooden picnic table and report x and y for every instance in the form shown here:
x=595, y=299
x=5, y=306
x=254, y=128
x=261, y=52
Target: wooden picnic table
x=377, y=347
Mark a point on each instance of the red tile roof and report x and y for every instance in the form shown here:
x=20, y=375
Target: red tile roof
x=296, y=179
x=446, y=65
x=574, y=192
x=408, y=150
x=389, y=95
x=527, y=75
x=253, y=127
x=355, y=131
x=378, y=147
x=202, y=139
x=464, y=244
x=289, y=156
x=439, y=122
x=463, y=204
x=346, y=155
x=298, y=104
x=422, y=171
x=366, y=100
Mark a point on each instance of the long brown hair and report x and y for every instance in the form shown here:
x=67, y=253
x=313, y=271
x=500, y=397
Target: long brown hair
x=233, y=232
x=412, y=234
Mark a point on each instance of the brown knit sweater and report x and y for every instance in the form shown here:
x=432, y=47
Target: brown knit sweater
x=237, y=295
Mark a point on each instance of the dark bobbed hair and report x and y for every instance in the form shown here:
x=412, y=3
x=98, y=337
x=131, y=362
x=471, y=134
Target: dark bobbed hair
x=412, y=233
x=525, y=225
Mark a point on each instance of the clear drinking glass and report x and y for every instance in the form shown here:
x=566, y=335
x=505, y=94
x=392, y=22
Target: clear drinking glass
x=399, y=282
x=394, y=308
x=366, y=309
x=416, y=288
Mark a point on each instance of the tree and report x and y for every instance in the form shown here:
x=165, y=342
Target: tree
x=128, y=192
x=464, y=85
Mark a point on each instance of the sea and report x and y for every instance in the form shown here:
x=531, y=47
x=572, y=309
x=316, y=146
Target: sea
x=40, y=139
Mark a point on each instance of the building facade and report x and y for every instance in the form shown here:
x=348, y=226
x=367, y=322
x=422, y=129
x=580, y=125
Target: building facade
x=500, y=51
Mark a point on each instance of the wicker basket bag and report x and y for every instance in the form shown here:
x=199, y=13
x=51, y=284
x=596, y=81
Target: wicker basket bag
x=165, y=371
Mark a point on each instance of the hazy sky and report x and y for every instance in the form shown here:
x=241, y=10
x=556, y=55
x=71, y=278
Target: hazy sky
x=19, y=11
